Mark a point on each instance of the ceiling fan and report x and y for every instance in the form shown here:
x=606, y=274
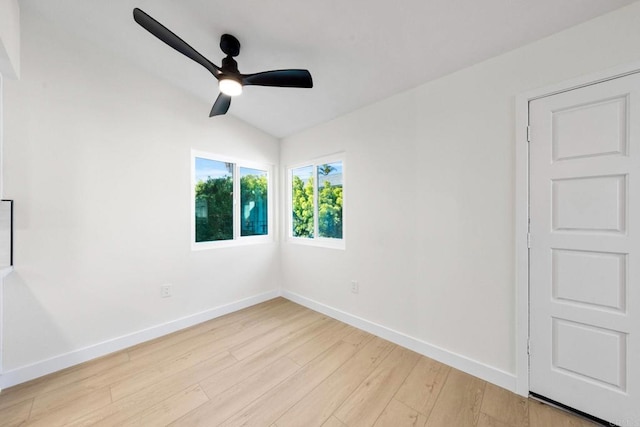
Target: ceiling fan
x=230, y=80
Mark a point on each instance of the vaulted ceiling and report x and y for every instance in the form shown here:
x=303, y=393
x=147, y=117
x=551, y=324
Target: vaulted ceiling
x=358, y=51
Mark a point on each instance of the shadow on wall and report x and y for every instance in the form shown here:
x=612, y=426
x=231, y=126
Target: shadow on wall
x=31, y=335
x=6, y=233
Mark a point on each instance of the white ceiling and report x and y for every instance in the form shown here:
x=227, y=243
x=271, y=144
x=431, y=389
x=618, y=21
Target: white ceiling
x=358, y=51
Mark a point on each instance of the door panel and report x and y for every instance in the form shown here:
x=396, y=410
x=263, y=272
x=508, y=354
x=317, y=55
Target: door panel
x=589, y=204
x=585, y=249
x=590, y=130
x=572, y=340
x=588, y=277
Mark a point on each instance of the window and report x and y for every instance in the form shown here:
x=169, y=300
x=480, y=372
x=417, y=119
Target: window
x=302, y=202
x=214, y=200
x=253, y=202
x=230, y=201
x=316, y=203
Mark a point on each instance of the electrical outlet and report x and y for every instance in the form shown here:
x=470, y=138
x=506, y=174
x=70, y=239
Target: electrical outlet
x=354, y=286
x=165, y=291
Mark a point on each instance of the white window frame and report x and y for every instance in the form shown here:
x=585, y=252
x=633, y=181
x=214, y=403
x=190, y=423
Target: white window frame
x=237, y=240
x=316, y=240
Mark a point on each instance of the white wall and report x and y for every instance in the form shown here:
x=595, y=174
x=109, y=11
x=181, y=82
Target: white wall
x=97, y=158
x=430, y=198
x=9, y=38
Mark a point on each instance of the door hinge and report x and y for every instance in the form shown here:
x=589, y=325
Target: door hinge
x=528, y=133
x=529, y=240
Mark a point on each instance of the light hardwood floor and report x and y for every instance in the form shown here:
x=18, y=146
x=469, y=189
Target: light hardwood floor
x=275, y=364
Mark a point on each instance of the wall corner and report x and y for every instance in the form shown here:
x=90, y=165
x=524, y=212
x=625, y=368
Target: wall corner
x=10, y=39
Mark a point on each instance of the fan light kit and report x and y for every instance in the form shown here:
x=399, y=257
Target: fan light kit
x=230, y=80
x=230, y=87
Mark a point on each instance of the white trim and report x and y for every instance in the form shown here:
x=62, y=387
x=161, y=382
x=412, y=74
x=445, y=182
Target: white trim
x=320, y=242
x=5, y=270
x=578, y=82
x=522, y=249
x=1, y=136
x=522, y=205
x=44, y=367
x=458, y=361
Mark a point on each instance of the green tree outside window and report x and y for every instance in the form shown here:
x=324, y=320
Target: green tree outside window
x=214, y=209
x=329, y=199
x=302, y=206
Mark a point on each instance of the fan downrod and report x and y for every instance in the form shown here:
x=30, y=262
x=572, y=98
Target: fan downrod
x=230, y=45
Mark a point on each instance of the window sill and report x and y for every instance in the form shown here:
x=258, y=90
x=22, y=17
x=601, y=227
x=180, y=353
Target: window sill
x=320, y=243
x=247, y=241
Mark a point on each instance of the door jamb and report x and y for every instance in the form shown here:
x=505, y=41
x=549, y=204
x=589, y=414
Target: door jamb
x=522, y=205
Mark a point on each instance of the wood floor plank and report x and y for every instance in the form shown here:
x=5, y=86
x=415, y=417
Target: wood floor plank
x=246, y=349
x=397, y=414
x=486, y=421
x=170, y=409
x=541, y=415
x=275, y=402
x=333, y=422
x=15, y=415
x=227, y=378
x=423, y=385
x=131, y=376
x=48, y=402
x=317, y=406
x=226, y=337
x=55, y=381
x=119, y=411
x=459, y=401
x=156, y=372
x=357, y=336
x=234, y=400
x=368, y=401
x=195, y=350
x=240, y=318
x=304, y=354
x=72, y=410
x=503, y=405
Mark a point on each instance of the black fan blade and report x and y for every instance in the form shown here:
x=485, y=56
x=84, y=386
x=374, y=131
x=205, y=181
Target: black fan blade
x=221, y=106
x=280, y=78
x=167, y=36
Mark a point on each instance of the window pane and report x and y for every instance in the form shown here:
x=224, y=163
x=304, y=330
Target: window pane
x=302, y=201
x=253, y=202
x=330, y=200
x=214, y=200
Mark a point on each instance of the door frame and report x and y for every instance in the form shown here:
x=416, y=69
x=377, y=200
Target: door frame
x=521, y=224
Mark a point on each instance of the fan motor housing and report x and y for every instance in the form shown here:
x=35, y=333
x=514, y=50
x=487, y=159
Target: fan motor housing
x=229, y=65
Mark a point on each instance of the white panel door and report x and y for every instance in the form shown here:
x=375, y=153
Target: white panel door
x=585, y=249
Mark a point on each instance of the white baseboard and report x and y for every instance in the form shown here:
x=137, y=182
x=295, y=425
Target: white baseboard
x=57, y=363
x=478, y=369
